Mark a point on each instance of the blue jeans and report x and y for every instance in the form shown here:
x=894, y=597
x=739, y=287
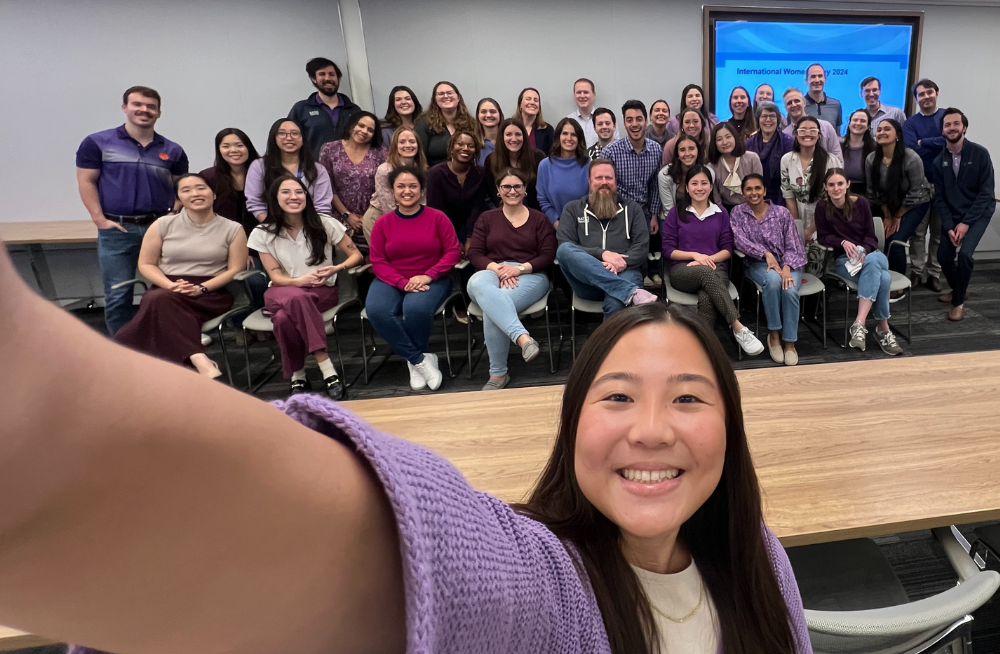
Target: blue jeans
x=907, y=227
x=500, y=306
x=781, y=306
x=590, y=280
x=118, y=255
x=873, y=281
x=959, y=274
x=404, y=319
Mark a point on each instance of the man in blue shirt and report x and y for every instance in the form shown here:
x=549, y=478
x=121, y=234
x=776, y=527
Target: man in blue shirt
x=818, y=103
x=126, y=181
x=963, y=193
x=323, y=114
x=922, y=134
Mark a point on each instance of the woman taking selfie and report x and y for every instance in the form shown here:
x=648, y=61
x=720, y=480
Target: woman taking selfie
x=650, y=477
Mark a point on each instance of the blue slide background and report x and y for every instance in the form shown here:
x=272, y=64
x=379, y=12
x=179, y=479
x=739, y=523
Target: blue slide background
x=748, y=53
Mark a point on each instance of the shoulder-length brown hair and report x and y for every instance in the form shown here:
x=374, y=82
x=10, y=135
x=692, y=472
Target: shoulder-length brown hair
x=714, y=154
x=500, y=158
x=420, y=161
x=392, y=117
x=539, y=121
x=435, y=118
x=480, y=132
x=581, y=141
x=724, y=536
x=676, y=167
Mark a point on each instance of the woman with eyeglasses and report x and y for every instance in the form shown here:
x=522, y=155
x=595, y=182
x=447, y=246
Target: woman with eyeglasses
x=802, y=172
x=285, y=155
x=446, y=115
x=510, y=248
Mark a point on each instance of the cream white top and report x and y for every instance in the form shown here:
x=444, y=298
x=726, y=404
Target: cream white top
x=192, y=249
x=677, y=595
x=293, y=254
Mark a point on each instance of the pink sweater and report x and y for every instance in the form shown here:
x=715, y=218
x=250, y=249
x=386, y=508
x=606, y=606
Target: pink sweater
x=403, y=247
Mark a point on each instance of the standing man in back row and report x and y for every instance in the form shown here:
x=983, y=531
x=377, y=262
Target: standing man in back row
x=922, y=134
x=323, y=114
x=126, y=181
x=584, y=94
x=818, y=103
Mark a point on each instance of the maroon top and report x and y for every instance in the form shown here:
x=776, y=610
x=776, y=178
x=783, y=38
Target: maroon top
x=495, y=240
x=831, y=228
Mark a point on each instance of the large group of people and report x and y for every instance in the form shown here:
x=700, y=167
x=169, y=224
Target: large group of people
x=418, y=190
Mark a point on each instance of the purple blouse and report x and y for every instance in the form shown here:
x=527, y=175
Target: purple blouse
x=353, y=184
x=776, y=234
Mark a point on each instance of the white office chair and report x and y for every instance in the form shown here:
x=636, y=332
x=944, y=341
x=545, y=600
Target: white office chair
x=691, y=300
x=541, y=306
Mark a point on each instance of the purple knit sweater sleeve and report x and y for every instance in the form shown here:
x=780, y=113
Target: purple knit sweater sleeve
x=790, y=591
x=479, y=578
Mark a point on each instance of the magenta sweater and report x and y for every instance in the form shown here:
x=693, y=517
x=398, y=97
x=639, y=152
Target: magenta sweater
x=404, y=246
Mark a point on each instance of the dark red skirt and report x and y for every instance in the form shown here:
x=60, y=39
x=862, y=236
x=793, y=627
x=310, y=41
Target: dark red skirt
x=168, y=324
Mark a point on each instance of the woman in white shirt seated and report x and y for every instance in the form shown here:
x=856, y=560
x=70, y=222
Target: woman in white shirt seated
x=296, y=247
x=189, y=257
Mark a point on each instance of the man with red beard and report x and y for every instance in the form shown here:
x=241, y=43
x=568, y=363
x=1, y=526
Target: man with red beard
x=603, y=242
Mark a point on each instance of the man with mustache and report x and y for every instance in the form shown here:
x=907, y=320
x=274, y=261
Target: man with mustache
x=603, y=242
x=323, y=114
x=126, y=180
x=963, y=197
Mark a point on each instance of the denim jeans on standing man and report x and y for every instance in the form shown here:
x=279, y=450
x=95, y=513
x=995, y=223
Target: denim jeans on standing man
x=500, y=306
x=118, y=254
x=781, y=306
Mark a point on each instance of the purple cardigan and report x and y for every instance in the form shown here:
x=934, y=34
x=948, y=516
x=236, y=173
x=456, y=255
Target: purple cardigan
x=480, y=578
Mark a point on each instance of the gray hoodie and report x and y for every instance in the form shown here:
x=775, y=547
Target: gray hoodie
x=627, y=233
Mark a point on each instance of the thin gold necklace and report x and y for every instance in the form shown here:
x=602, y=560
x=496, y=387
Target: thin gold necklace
x=701, y=600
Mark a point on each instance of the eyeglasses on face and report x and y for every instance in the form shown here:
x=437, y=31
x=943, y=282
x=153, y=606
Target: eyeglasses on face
x=808, y=131
x=509, y=188
x=289, y=135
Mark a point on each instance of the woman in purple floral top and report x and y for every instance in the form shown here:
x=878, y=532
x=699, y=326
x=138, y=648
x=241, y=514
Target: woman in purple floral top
x=767, y=235
x=236, y=526
x=352, y=162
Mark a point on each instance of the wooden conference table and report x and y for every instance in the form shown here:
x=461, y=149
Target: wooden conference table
x=35, y=235
x=843, y=450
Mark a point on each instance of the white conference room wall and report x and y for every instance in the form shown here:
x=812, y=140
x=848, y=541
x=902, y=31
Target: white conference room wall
x=645, y=49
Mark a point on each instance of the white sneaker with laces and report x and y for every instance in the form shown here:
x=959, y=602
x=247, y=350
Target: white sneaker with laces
x=750, y=343
x=858, y=334
x=429, y=371
x=417, y=381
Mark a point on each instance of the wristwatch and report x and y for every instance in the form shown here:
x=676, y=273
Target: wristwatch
x=203, y=289
x=521, y=268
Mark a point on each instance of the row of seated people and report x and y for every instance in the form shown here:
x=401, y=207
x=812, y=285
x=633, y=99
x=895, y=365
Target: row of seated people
x=602, y=241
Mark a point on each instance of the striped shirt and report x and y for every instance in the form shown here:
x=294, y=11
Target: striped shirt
x=636, y=172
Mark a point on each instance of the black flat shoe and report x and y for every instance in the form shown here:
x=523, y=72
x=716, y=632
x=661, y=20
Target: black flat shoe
x=300, y=386
x=335, y=388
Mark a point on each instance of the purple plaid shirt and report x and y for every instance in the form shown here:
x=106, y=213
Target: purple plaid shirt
x=776, y=234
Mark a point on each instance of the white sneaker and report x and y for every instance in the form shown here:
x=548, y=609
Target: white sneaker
x=858, y=334
x=750, y=343
x=428, y=370
x=206, y=340
x=417, y=381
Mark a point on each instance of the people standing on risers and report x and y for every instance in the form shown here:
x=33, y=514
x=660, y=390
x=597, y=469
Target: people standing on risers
x=659, y=116
x=606, y=127
x=742, y=119
x=529, y=112
x=189, y=257
x=563, y=175
x=352, y=163
x=227, y=177
x=767, y=235
x=871, y=91
x=844, y=223
x=584, y=96
x=765, y=93
x=323, y=114
x=802, y=173
x=693, y=125
x=922, y=134
x=296, y=246
x=489, y=115
x=730, y=162
x=404, y=150
x=404, y=108
x=285, y=155
x=857, y=144
x=510, y=248
x=603, y=242
x=770, y=144
x=818, y=103
x=446, y=115
x=692, y=97
x=513, y=151
x=126, y=181
x=413, y=250
x=964, y=195
x=795, y=105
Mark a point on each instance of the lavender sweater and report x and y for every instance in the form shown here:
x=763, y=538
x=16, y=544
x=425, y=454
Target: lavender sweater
x=479, y=578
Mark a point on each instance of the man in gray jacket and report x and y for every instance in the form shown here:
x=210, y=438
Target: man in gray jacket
x=603, y=241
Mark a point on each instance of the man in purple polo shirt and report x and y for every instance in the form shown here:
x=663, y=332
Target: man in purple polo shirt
x=126, y=180
x=323, y=114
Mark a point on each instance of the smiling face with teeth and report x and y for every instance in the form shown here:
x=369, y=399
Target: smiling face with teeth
x=651, y=440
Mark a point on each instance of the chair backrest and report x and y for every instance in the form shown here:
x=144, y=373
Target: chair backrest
x=241, y=292
x=346, y=285
x=879, y=232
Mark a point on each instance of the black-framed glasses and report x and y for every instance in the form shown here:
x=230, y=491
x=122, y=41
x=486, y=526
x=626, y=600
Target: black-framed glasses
x=508, y=188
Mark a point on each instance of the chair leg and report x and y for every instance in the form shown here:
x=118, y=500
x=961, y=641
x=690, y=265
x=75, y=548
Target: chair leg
x=823, y=293
x=246, y=353
x=225, y=357
x=909, y=317
x=468, y=342
x=757, y=328
x=548, y=334
x=847, y=319
x=364, y=347
x=447, y=346
x=340, y=354
x=572, y=329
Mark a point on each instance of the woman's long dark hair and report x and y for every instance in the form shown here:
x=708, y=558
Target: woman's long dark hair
x=893, y=193
x=392, y=118
x=223, y=170
x=581, y=142
x=676, y=167
x=868, y=143
x=724, y=536
x=312, y=224
x=704, y=133
x=749, y=123
x=500, y=157
x=739, y=146
x=272, y=156
x=703, y=110
x=819, y=162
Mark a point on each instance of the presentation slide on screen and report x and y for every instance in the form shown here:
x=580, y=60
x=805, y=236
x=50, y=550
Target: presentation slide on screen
x=749, y=53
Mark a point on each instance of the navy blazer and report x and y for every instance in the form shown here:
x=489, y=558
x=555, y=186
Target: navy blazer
x=967, y=198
